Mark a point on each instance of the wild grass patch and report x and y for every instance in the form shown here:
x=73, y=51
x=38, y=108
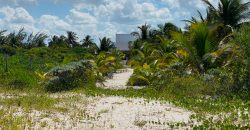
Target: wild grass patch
x=30, y=102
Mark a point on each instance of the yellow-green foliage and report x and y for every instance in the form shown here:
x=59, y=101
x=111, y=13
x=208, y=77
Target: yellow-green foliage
x=107, y=62
x=138, y=80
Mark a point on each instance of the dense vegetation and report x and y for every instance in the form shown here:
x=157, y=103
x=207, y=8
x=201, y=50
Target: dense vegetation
x=209, y=60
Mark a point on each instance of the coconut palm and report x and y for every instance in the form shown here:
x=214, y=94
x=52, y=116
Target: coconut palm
x=158, y=55
x=58, y=41
x=143, y=33
x=105, y=44
x=72, y=39
x=229, y=12
x=16, y=39
x=167, y=28
x=88, y=42
x=199, y=41
x=36, y=40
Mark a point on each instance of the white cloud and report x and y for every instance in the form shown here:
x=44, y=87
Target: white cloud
x=78, y=17
x=16, y=15
x=97, y=17
x=16, y=18
x=131, y=12
x=172, y=3
x=53, y=23
x=17, y=2
x=108, y=17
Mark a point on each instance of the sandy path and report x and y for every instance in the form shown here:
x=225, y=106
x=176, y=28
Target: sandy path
x=119, y=80
x=121, y=113
x=105, y=113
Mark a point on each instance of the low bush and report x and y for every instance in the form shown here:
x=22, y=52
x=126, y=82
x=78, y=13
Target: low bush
x=138, y=80
x=189, y=86
x=69, y=76
x=107, y=63
x=184, y=85
x=7, y=50
x=18, y=84
x=17, y=77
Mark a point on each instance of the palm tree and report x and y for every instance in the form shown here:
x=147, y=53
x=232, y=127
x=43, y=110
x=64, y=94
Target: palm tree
x=58, y=41
x=16, y=39
x=105, y=44
x=229, y=12
x=199, y=41
x=72, y=39
x=167, y=28
x=2, y=37
x=143, y=33
x=88, y=42
x=36, y=40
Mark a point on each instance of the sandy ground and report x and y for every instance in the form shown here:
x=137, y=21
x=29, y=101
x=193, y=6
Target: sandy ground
x=106, y=113
x=119, y=80
x=121, y=113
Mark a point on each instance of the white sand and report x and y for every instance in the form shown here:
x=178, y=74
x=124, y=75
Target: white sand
x=121, y=113
x=105, y=113
x=119, y=80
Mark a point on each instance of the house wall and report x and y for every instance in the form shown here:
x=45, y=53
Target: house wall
x=122, y=41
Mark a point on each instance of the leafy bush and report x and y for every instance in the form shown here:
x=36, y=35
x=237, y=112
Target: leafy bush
x=18, y=84
x=7, y=50
x=221, y=77
x=138, y=80
x=17, y=77
x=171, y=82
x=108, y=62
x=189, y=86
x=242, y=38
x=68, y=76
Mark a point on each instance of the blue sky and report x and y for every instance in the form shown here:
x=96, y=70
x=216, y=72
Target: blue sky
x=97, y=18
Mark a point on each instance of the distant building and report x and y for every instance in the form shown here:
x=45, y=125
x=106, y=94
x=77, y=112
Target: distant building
x=122, y=41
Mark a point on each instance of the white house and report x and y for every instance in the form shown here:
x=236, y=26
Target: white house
x=122, y=41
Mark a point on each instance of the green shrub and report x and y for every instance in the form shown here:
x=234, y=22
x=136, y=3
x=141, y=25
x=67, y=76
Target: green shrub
x=221, y=77
x=107, y=63
x=171, y=82
x=68, y=76
x=70, y=58
x=189, y=86
x=7, y=50
x=17, y=77
x=242, y=38
x=138, y=80
x=18, y=84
